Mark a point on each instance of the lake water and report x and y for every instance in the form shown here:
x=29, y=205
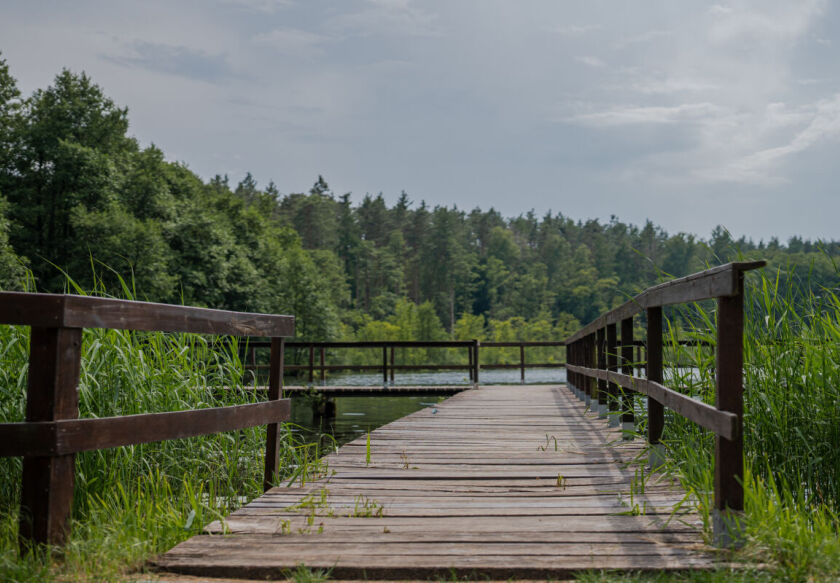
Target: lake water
x=356, y=416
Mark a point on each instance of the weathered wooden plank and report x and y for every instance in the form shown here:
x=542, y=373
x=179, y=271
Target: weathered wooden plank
x=464, y=488
x=75, y=435
x=71, y=311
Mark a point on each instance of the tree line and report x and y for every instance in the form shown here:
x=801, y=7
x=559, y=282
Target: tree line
x=82, y=203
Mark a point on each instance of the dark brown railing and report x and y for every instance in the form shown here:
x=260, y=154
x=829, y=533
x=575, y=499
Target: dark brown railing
x=594, y=359
x=388, y=365
x=52, y=433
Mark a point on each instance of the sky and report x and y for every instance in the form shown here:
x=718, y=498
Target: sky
x=688, y=114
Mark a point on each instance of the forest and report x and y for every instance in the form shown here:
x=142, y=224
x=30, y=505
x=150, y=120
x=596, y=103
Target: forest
x=82, y=203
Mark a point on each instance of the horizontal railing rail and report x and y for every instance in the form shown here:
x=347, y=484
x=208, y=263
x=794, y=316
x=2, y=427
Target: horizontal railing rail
x=388, y=365
x=596, y=353
x=52, y=433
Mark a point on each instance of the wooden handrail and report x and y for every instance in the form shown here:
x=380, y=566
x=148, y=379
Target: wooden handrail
x=388, y=366
x=52, y=433
x=721, y=281
x=68, y=311
x=595, y=379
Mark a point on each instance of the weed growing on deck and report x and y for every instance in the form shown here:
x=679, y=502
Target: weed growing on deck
x=364, y=507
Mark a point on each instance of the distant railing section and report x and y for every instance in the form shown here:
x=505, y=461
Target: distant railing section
x=388, y=366
x=596, y=353
x=52, y=433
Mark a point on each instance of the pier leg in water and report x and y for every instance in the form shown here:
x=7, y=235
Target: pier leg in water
x=326, y=409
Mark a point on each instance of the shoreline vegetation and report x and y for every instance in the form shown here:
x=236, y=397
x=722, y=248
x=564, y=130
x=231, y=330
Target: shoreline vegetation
x=84, y=207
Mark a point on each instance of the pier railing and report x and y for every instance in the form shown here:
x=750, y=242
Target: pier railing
x=52, y=433
x=596, y=353
x=388, y=366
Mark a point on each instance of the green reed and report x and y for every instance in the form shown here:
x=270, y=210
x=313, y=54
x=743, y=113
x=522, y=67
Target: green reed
x=791, y=420
x=132, y=502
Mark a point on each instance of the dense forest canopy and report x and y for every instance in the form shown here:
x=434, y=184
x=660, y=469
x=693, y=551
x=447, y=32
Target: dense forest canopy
x=80, y=198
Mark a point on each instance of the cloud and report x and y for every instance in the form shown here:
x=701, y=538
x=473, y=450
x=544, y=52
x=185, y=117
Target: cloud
x=591, y=61
x=673, y=85
x=782, y=22
x=575, y=29
x=265, y=6
x=645, y=37
x=292, y=41
x=630, y=115
x=388, y=18
x=762, y=166
x=176, y=60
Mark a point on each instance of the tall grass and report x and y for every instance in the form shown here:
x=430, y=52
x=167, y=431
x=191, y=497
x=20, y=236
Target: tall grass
x=132, y=502
x=791, y=421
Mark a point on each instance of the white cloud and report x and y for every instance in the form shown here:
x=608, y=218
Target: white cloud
x=673, y=85
x=573, y=30
x=631, y=115
x=762, y=166
x=591, y=61
x=767, y=21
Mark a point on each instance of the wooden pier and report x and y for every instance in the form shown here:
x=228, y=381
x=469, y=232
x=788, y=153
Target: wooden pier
x=498, y=481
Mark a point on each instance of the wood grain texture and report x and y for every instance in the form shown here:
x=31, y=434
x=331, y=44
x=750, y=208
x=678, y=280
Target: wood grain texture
x=70, y=436
x=495, y=481
x=70, y=311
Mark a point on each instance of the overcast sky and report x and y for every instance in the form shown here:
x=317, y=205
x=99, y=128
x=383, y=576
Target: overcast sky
x=689, y=114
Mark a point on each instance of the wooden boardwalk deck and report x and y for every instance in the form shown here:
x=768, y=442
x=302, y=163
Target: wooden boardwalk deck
x=475, y=485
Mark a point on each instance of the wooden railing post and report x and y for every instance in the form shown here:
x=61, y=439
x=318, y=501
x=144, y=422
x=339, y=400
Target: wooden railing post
x=385, y=365
x=656, y=412
x=729, y=454
x=52, y=394
x=522, y=363
x=311, y=364
x=589, y=360
x=470, y=361
x=476, y=362
x=571, y=378
x=323, y=370
x=627, y=401
x=275, y=389
x=612, y=365
x=602, y=364
x=393, y=362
